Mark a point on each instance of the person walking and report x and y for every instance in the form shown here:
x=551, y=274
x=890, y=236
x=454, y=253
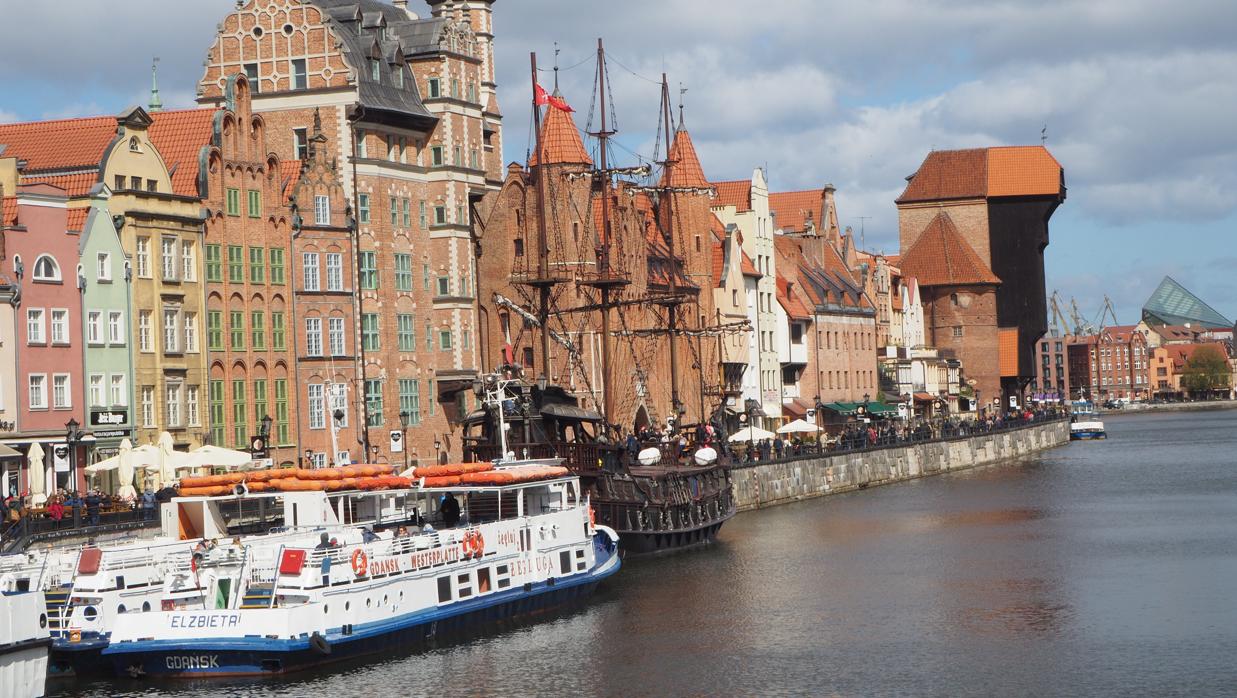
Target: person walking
x=148, y=504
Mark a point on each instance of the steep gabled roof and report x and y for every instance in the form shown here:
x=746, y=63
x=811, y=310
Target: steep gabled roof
x=985, y=173
x=77, y=184
x=788, y=298
x=793, y=209
x=560, y=141
x=179, y=136
x=684, y=169
x=940, y=257
x=737, y=193
x=8, y=211
x=59, y=144
x=75, y=220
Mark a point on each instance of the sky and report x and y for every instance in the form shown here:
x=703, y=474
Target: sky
x=1138, y=98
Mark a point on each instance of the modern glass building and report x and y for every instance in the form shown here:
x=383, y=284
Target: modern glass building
x=1172, y=304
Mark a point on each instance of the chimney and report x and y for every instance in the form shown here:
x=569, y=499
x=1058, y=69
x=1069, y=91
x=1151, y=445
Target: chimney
x=402, y=5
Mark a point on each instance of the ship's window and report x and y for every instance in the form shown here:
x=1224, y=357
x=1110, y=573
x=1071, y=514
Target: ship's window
x=120, y=608
x=580, y=554
x=444, y=589
x=483, y=580
x=347, y=605
x=564, y=562
x=369, y=603
x=91, y=613
x=145, y=607
x=384, y=599
x=326, y=609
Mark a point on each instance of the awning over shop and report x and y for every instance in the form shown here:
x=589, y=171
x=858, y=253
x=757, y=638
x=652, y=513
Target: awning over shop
x=9, y=452
x=876, y=409
x=797, y=408
x=881, y=409
x=842, y=408
x=924, y=397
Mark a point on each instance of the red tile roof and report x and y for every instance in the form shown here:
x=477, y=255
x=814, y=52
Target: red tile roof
x=59, y=144
x=719, y=265
x=289, y=174
x=78, y=184
x=985, y=172
x=940, y=257
x=793, y=209
x=685, y=169
x=76, y=219
x=749, y=267
x=8, y=211
x=1182, y=353
x=788, y=298
x=737, y=194
x=560, y=141
x=179, y=136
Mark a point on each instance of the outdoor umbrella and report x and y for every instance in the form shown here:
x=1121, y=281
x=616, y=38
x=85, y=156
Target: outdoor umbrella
x=38, y=485
x=750, y=434
x=218, y=456
x=168, y=458
x=125, y=472
x=799, y=426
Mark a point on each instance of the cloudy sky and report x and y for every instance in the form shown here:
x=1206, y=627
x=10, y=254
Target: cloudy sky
x=1138, y=96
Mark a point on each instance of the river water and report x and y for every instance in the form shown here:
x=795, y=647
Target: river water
x=1097, y=568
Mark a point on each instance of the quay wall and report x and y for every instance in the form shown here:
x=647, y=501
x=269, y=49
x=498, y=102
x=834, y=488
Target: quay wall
x=780, y=482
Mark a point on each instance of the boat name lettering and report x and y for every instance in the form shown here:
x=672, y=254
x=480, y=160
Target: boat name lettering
x=388, y=566
x=508, y=538
x=198, y=661
x=437, y=556
x=541, y=565
x=202, y=620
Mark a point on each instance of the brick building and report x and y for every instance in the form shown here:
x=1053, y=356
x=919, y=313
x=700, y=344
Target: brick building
x=408, y=110
x=996, y=203
x=1113, y=364
x=1052, y=370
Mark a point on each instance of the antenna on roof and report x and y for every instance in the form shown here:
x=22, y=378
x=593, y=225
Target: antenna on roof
x=556, y=50
x=862, y=244
x=1043, y=135
x=682, y=91
x=155, y=103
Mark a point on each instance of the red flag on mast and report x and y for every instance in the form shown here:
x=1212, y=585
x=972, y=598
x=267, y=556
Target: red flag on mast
x=543, y=97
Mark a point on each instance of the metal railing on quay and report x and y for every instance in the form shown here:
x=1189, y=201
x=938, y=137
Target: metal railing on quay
x=40, y=528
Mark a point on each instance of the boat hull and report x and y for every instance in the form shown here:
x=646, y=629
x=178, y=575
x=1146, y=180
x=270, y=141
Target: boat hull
x=1089, y=435
x=255, y=656
x=649, y=542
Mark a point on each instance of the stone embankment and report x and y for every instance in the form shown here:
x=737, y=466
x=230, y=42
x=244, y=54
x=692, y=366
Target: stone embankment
x=780, y=482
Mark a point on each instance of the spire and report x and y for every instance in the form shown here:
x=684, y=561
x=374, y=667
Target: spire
x=317, y=139
x=683, y=168
x=682, y=124
x=560, y=140
x=155, y=103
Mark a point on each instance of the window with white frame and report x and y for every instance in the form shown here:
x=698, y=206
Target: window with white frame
x=192, y=411
x=35, y=326
x=62, y=391
x=171, y=330
x=144, y=339
x=339, y=401
x=94, y=327
x=116, y=328
x=37, y=393
x=96, y=390
x=103, y=268
x=143, y=257
x=191, y=332
x=334, y=271
x=120, y=392
x=172, y=403
x=168, y=247
x=335, y=335
x=60, y=326
x=322, y=210
x=148, y=406
x=46, y=268
x=188, y=263
x=317, y=406
x=313, y=336
x=310, y=276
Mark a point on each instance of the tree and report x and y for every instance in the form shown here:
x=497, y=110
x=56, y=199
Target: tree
x=1206, y=370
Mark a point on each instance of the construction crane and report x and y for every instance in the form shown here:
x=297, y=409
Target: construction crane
x=1108, y=311
x=1061, y=325
x=1081, y=326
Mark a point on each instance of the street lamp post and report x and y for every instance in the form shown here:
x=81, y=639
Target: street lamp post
x=73, y=433
x=750, y=406
x=404, y=417
x=309, y=455
x=437, y=448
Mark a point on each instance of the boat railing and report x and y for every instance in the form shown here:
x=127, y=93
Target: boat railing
x=581, y=458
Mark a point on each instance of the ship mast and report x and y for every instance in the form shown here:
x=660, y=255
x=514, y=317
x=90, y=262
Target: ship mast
x=672, y=302
x=605, y=280
x=542, y=282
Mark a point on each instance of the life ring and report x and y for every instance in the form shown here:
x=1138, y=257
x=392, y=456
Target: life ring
x=478, y=543
x=360, y=562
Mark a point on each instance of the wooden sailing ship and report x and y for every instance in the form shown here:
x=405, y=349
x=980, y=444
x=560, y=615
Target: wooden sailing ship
x=613, y=298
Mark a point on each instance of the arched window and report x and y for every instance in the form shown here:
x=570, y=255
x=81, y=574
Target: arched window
x=135, y=145
x=46, y=269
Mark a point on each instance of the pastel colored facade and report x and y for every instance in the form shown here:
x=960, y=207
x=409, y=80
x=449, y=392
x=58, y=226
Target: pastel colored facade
x=745, y=203
x=735, y=279
x=106, y=277
x=42, y=253
x=1113, y=364
x=11, y=459
x=1168, y=363
x=1052, y=377
x=998, y=201
x=408, y=108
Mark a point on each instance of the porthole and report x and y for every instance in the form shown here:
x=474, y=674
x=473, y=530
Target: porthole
x=369, y=603
x=145, y=607
x=384, y=599
x=90, y=612
x=120, y=608
x=347, y=605
x=42, y=620
x=326, y=608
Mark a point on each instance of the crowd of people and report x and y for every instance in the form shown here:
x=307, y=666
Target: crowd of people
x=72, y=508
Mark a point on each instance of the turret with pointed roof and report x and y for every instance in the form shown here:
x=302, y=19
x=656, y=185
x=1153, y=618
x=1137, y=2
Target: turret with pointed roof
x=560, y=140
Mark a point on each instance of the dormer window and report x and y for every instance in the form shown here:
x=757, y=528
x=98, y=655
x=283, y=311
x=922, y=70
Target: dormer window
x=46, y=269
x=398, y=74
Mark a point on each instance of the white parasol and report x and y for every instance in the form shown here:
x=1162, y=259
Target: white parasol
x=750, y=434
x=38, y=483
x=218, y=456
x=799, y=426
x=168, y=458
x=125, y=469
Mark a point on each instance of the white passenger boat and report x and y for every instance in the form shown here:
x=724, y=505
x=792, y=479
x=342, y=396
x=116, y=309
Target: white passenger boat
x=1085, y=423
x=24, y=640
x=524, y=546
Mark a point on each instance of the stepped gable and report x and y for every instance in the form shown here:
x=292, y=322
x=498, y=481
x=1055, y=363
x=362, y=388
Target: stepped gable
x=560, y=140
x=941, y=257
x=737, y=194
x=793, y=209
x=180, y=136
x=978, y=173
x=684, y=169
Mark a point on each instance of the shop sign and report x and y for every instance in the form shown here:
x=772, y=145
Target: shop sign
x=110, y=433
x=60, y=457
x=397, y=442
x=108, y=418
x=6, y=425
